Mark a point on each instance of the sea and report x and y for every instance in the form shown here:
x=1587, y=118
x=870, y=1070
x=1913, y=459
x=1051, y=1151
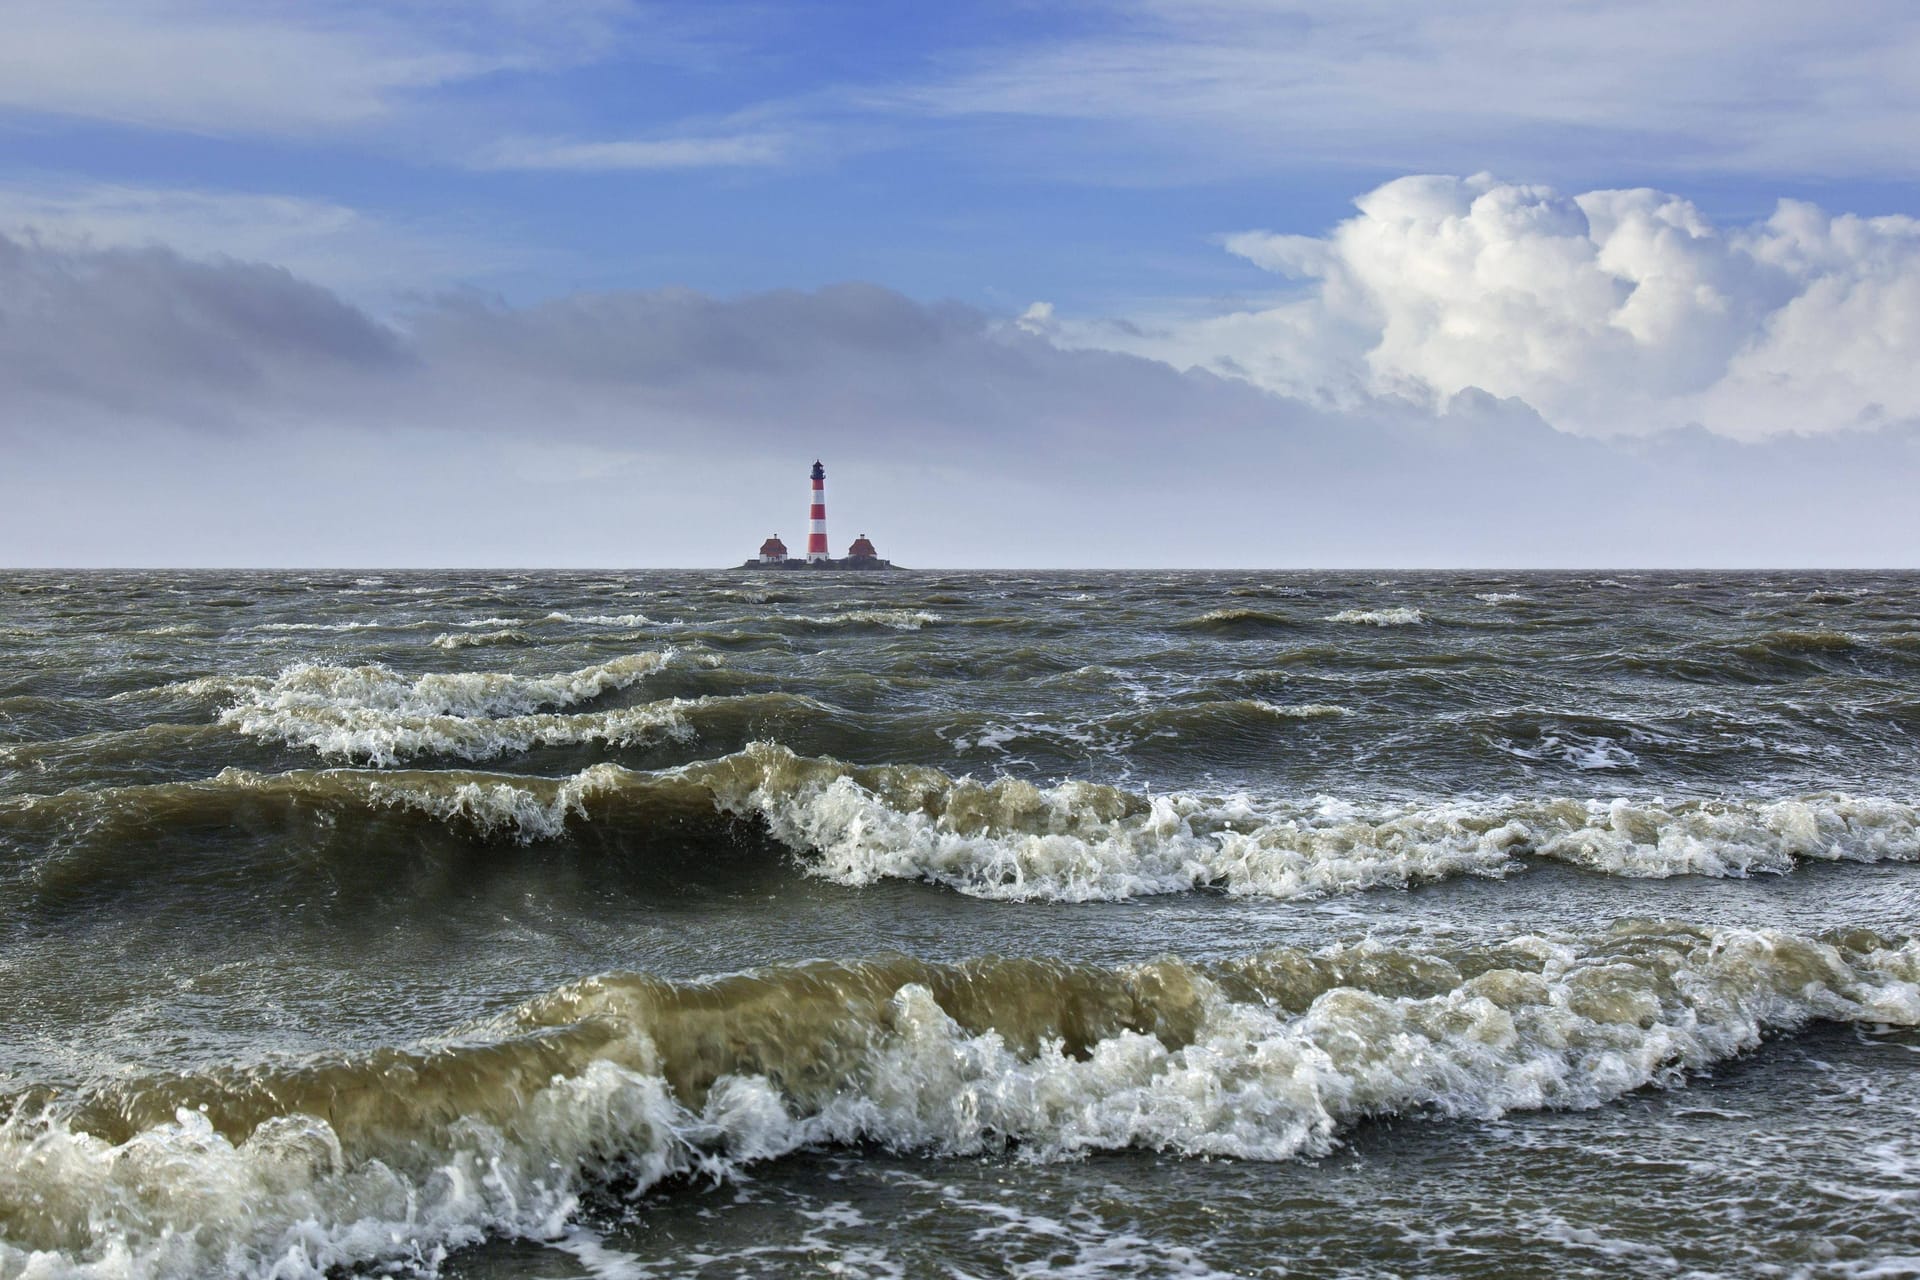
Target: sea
x=959, y=924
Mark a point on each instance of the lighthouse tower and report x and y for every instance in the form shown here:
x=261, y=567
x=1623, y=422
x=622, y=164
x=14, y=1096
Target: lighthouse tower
x=817, y=534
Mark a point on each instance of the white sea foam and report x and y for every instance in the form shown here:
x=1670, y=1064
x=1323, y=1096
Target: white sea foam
x=1297, y=710
x=1399, y=616
x=1330, y=1038
x=358, y=624
x=1578, y=750
x=1499, y=597
x=602, y=619
x=505, y=807
x=1238, y=617
x=386, y=738
x=480, y=639
x=375, y=714
x=994, y=737
x=896, y=619
x=1009, y=839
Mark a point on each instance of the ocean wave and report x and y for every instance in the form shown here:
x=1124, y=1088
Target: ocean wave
x=892, y=619
x=601, y=619
x=475, y=804
x=1009, y=839
x=625, y=1082
x=1299, y=710
x=1240, y=620
x=1079, y=841
x=1500, y=597
x=1792, y=644
x=1400, y=616
x=1193, y=728
x=1576, y=750
x=101, y=751
x=756, y=596
x=195, y=630
x=381, y=737
x=357, y=624
x=480, y=639
x=375, y=714
x=1208, y=722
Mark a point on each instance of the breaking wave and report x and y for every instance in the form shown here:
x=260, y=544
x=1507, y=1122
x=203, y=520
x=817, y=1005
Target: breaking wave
x=480, y=639
x=1012, y=840
x=352, y=625
x=375, y=714
x=602, y=619
x=1300, y=710
x=1080, y=841
x=891, y=619
x=302, y=1168
x=1240, y=620
x=1401, y=616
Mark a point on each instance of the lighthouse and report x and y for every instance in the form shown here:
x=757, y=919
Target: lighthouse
x=861, y=555
x=817, y=533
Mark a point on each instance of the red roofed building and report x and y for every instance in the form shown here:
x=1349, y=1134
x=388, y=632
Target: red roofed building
x=862, y=549
x=773, y=551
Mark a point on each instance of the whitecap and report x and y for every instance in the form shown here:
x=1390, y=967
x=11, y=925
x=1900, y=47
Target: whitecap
x=1400, y=616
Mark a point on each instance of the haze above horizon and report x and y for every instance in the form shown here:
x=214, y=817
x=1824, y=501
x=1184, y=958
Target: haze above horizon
x=1125, y=283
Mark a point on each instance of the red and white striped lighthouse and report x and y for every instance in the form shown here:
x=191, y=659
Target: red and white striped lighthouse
x=817, y=533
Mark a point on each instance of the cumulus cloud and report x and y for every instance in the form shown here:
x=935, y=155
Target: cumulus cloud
x=1608, y=311
x=165, y=409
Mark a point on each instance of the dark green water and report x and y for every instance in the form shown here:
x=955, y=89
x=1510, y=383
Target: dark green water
x=959, y=924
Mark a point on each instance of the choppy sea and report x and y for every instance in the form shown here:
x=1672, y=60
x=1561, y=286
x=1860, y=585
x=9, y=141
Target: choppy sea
x=959, y=924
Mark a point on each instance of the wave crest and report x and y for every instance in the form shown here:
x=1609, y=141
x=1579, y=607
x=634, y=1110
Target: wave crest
x=1401, y=616
x=891, y=619
x=375, y=714
x=1080, y=841
x=1242, y=619
x=480, y=639
x=298, y=1169
x=1009, y=839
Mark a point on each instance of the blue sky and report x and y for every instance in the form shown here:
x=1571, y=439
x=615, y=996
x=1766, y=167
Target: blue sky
x=1138, y=168
x=939, y=149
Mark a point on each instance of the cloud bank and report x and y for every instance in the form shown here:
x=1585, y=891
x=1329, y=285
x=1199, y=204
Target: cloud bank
x=166, y=409
x=1609, y=311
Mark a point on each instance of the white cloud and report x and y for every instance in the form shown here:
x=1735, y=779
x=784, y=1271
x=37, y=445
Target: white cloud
x=273, y=66
x=1612, y=311
x=1223, y=86
x=160, y=409
x=692, y=152
x=344, y=248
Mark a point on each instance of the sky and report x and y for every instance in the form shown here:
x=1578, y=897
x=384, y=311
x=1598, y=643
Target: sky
x=1094, y=283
